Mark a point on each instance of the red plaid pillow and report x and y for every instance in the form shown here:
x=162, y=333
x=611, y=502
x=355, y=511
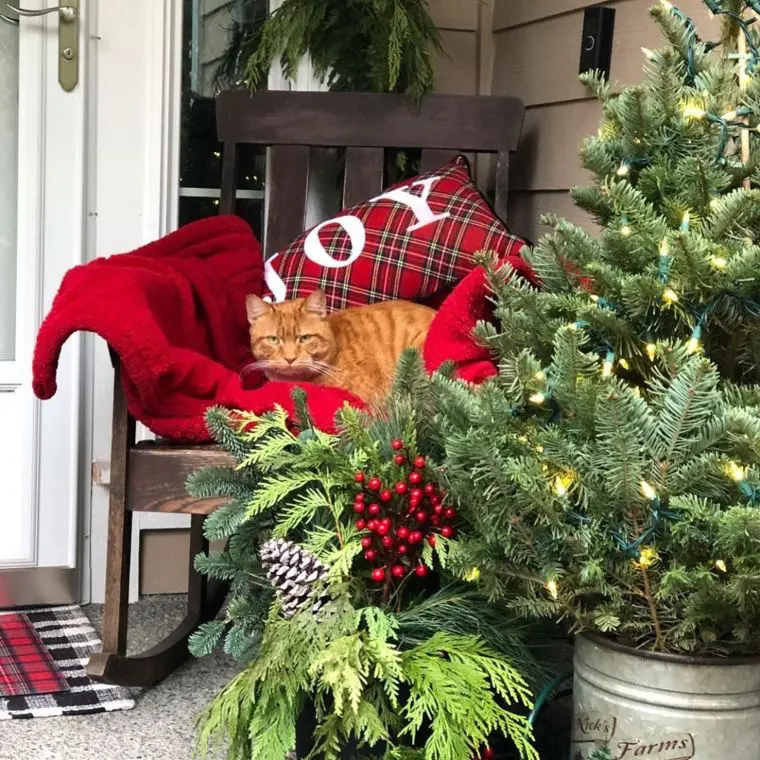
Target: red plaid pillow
x=414, y=242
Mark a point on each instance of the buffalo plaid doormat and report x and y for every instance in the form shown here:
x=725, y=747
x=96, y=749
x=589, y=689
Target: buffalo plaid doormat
x=43, y=653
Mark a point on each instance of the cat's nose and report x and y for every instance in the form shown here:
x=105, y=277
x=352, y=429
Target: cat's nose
x=290, y=360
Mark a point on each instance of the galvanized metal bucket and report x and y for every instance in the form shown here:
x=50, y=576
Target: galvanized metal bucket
x=663, y=707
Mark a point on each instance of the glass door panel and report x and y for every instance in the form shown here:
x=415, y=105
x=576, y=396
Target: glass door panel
x=215, y=37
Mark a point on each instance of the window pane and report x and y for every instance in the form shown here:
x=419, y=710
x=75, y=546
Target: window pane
x=8, y=187
x=215, y=35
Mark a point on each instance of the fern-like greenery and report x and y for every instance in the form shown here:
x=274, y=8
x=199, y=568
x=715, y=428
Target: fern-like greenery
x=410, y=667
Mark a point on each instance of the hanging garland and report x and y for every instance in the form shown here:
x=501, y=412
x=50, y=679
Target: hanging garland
x=353, y=45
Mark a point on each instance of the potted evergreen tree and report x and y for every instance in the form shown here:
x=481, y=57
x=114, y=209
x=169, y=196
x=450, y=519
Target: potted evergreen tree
x=353, y=639
x=610, y=473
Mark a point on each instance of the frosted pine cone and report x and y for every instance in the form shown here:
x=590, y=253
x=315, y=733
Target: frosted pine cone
x=295, y=574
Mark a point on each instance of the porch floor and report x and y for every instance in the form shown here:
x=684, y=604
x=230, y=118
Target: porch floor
x=161, y=725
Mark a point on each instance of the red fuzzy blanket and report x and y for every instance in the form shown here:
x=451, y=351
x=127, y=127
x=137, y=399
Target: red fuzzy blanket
x=174, y=312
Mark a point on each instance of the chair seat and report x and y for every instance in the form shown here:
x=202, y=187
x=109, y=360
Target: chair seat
x=157, y=473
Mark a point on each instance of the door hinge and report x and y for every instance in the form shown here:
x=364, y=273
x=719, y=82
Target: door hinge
x=101, y=472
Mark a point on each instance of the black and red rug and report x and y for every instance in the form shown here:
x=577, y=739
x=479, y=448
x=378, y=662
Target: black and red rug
x=43, y=654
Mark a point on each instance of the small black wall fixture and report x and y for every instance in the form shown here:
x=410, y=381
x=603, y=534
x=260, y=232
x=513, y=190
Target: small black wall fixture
x=596, y=39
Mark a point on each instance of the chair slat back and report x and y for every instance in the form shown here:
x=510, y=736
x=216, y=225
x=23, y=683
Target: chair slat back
x=291, y=123
x=364, y=175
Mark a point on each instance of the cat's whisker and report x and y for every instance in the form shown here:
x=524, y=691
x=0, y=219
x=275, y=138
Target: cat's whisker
x=263, y=364
x=325, y=370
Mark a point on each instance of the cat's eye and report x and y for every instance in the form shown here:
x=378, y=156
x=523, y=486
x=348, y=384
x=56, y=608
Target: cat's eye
x=273, y=339
x=304, y=338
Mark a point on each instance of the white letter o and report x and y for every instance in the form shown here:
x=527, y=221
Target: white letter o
x=314, y=249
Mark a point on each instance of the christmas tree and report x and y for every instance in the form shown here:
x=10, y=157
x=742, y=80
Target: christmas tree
x=610, y=472
x=341, y=601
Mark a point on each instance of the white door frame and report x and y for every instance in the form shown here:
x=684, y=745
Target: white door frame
x=47, y=443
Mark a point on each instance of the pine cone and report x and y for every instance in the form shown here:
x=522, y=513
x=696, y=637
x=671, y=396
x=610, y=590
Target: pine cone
x=295, y=574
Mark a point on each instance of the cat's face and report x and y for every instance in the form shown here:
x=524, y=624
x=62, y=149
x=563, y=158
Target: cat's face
x=291, y=340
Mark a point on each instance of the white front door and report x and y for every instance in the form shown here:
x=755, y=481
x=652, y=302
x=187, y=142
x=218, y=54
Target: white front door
x=42, y=223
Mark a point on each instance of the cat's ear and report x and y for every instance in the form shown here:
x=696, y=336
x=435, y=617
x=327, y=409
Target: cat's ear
x=256, y=307
x=316, y=304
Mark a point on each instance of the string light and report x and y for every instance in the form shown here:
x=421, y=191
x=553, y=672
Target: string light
x=562, y=483
x=694, y=344
x=539, y=375
x=667, y=5
x=522, y=438
x=623, y=170
x=685, y=221
x=217, y=154
x=648, y=53
x=624, y=364
x=625, y=230
x=651, y=350
x=540, y=449
x=714, y=203
x=729, y=115
x=693, y=111
x=669, y=296
x=721, y=566
x=665, y=260
x=735, y=472
x=647, y=491
x=739, y=474
x=718, y=262
x=647, y=557
x=607, y=366
x=537, y=398
x=553, y=589
x=472, y=574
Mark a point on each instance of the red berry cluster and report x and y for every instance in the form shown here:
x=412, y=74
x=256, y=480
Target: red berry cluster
x=398, y=519
x=485, y=754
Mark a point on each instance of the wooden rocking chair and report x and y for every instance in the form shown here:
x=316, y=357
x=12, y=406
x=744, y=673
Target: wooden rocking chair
x=150, y=476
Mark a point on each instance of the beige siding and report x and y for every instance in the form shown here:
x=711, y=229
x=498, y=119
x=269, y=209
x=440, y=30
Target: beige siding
x=455, y=14
x=163, y=561
x=456, y=72
x=527, y=208
x=536, y=47
x=459, y=71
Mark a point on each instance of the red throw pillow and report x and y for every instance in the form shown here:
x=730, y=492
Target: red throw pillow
x=415, y=241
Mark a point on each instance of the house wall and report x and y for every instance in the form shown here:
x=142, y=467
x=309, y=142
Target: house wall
x=464, y=70
x=536, y=48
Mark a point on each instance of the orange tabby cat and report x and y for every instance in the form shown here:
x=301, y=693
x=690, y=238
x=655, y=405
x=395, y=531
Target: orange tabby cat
x=356, y=349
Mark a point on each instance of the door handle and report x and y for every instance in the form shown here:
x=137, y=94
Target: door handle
x=68, y=13
x=68, y=37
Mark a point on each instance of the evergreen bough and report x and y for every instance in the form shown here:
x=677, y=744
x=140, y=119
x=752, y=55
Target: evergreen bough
x=610, y=471
x=353, y=45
